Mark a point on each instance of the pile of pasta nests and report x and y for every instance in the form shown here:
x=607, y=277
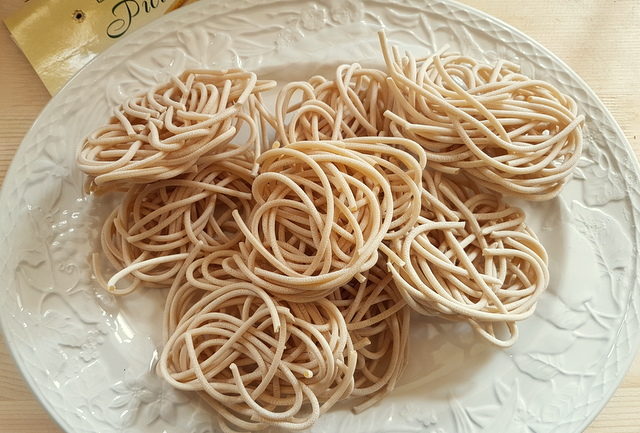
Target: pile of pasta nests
x=293, y=262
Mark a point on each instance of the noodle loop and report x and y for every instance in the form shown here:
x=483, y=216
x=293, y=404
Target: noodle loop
x=512, y=134
x=471, y=257
x=161, y=134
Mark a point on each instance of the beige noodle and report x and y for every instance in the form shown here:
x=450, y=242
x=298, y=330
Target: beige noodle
x=260, y=362
x=378, y=321
x=291, y=272
x=513, y=134
x=161, y=134
x=352, y=105
x=322, y=211
x=471, y=257
x=156, y=225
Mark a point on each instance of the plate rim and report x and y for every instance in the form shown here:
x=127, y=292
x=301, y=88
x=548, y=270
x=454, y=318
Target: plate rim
x=228, y=6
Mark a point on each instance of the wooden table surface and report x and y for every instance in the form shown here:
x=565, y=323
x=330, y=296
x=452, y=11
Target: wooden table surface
x=600, y=39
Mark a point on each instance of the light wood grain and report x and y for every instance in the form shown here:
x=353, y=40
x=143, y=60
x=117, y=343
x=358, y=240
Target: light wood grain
x=600, y=39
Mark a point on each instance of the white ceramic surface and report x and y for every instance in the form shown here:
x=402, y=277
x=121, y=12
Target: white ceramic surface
x=89, y=356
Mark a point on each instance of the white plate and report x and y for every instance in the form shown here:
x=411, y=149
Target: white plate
x=88, y=356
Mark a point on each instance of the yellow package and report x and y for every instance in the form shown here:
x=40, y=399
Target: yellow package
x=59, y=37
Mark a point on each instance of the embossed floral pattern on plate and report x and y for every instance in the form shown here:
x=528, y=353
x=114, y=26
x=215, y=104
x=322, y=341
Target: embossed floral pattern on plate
x=91, y=357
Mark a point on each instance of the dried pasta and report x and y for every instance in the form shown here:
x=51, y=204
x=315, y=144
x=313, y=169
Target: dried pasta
x=512, y=134
x=149, y=235
x=471, y=257
x=351, y=105
x=294, y=243
x=322, y=210
x=162, y=133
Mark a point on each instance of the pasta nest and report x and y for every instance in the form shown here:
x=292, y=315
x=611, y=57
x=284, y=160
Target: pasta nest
x=156, y=225
x=350, y=105
x=512, y=134
x=161, y=134
x=471, y=257
x=322, y=210
x=260, y=361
